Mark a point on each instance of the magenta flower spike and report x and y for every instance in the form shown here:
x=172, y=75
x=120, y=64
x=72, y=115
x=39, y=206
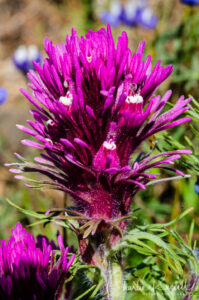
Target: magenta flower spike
x=30, y=271
x=94, y=106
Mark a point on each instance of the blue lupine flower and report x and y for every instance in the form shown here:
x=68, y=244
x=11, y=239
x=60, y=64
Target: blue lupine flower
x=3, y=95
x=113, y=17
x=133, y=13
x=196, y=252
x=24, y=56
x=129, y=13
x=196, y=187
x=190, y=2
x=146, y=18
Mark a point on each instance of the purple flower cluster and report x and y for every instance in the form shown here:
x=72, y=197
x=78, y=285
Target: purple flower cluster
x=94, y=108
x=132, y=13
x=28, y=271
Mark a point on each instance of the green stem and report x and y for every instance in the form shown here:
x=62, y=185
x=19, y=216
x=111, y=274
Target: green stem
x=114, y=282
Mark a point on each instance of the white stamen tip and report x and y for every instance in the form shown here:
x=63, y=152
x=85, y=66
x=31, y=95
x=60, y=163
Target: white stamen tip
x=66, y=84
x=49, y=141
x=134, y=99
x=89, y=58
x=50, y=122
x=109, y=145
x=67, y=100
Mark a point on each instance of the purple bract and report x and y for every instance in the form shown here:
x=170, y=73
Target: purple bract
x=28, y=271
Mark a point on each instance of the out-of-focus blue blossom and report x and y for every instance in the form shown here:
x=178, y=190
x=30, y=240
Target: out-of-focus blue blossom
x=196, y=187
x=146, y=18
x=196, y=252
x=3, y=95
x=190, y=2
x=129, y=13
x=113, y=16
x=24, y=56
x=132, y=13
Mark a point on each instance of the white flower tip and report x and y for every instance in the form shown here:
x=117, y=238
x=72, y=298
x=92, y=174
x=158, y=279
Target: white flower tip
x=49, y=141
x=19, y=126
x=89, y=58
x=134, y=99
x=67, y=100
x=110, y=145
x=50, y=122
x=66, y=84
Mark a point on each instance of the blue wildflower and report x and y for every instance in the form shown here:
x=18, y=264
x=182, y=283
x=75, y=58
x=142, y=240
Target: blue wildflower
x=146, y=18
x=196, y=252
x=196, y=187
x=132, y=13
x=190, y=2
x=24, y=56
x=129, y=14
x=3, y=95
x=113, y=16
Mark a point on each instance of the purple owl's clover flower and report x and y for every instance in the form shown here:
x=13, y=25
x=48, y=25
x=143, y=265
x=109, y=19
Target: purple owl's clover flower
x=28, y=271
x=94, y=108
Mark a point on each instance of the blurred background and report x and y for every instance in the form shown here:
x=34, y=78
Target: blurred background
x=170, y=29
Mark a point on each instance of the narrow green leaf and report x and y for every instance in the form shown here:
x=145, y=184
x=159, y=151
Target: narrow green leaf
x=26, y=211
x=96, y=290
x=85, y=293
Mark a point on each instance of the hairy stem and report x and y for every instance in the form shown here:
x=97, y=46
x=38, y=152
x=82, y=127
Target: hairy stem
x=114, y=280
